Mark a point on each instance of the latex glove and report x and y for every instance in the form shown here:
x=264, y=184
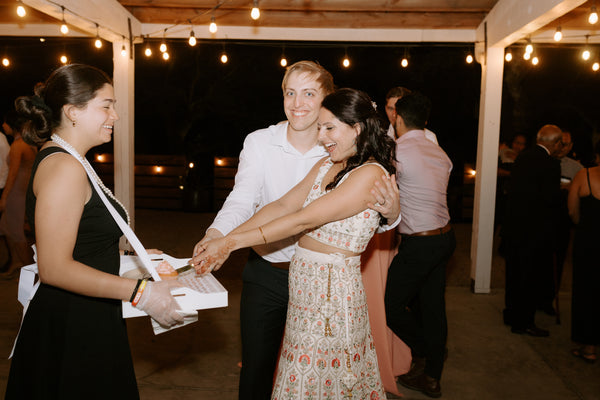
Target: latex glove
x=157, y=302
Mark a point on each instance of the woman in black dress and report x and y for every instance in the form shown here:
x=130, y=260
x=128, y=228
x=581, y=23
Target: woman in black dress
x=584, y=209
x=73, y=341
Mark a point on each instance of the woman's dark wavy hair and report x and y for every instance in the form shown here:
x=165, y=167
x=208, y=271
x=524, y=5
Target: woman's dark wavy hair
x=351, y=107
x=74, y=84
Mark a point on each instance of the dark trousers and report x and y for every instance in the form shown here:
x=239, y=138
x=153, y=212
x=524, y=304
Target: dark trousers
x=263, y=311
x=415, y=304
x=526, y=263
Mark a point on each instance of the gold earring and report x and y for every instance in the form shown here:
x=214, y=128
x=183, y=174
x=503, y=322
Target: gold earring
x=74, y=123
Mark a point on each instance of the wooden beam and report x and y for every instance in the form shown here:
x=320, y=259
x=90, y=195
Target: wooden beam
x=313, y=19
x=512, y=20
x=317, y=34
x=84, y=15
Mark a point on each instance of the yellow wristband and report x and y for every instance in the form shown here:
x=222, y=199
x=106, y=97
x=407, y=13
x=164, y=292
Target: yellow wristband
x=138, y=295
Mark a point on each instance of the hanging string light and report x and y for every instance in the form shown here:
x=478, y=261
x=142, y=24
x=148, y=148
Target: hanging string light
x=558, y=34
x=404, y=62
x=192, y=40
x=165, y=55
x=224, y=58
x=585, y=54
x=123, y=49
x=535, y=60
x=148, y=50
x=64, y=29
x=21, y=12
x=526, y=56
x=255, y=13
x=5, y=62
x=346, y=60
x=212, y=28
x=508, y=56
x=283, y=61
x=163, y=44
x=529, y=47
x=98, y=41
x=595, y=66
x=469, y=58
x=593, y=17
x=63, y=59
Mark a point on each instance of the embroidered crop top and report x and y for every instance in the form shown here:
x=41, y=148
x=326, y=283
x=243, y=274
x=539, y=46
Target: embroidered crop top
x=352, y=233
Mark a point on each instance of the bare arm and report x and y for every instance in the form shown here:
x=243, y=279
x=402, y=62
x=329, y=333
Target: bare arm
x=387, y=197
x=574, y=194
x=62, y=189
x=349, y=198
x=15, y=155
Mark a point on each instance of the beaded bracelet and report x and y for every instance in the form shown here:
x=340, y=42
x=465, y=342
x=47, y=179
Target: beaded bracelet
x=140, y=290
x=137, y=286
x=128, y=253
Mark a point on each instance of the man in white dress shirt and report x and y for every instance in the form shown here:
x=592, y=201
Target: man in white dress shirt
x=272, y=161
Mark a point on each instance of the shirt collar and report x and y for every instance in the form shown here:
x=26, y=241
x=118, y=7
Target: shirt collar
x=414, y=133
x=280, y=140
x=547, y=151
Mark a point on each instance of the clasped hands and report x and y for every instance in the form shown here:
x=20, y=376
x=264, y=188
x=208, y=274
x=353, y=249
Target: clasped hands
x=211, y=252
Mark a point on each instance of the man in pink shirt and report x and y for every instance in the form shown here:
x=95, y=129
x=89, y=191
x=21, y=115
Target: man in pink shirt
x=416, y=281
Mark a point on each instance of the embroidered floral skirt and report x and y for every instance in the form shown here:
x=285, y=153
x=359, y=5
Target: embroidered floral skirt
x=327, y=351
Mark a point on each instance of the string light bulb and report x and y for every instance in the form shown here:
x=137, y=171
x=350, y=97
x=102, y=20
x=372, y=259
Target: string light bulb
x=165, y=55
x=283, y=62
x=163, y=44
x=585, y=54
x=63, y=59
x=558, y=34
x=192, y=40
x=346, y=60
x=596, y=66
x=21, y=12
x=529, y=48
x=535, y=60
x=508, y=56
x=469, y=59
x=255, y=13
x=212, y=28
x=593, y=17
x=98, y=41
x=64, y=29
x=526, y=56
x=224, y=58
x=5, y=62
x=148, y=51
x=404, y=62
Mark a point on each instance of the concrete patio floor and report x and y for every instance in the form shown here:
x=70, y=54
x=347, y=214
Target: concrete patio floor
x=200, y=361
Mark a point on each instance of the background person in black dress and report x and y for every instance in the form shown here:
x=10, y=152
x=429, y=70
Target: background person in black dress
x=584, y=209
x=73, y=341
x=529, y=228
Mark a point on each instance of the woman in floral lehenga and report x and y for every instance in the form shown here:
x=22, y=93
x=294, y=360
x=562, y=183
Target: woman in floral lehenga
x=328, y=350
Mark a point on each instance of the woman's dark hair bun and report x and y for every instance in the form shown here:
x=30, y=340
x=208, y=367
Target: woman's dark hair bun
x=37, y=128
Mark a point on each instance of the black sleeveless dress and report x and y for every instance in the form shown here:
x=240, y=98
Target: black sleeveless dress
x=73, y=346
x=585, y=306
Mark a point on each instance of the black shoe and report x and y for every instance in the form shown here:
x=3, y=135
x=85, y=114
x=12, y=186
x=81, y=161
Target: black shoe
x=422, y=383
x=531, y=331
x=417, y=367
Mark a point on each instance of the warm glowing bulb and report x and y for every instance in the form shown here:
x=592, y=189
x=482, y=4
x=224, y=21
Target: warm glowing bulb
x=123, y=51
x=220, y=162
x=5, y=62
x=527, y=56
x=98, y=43
x=100, y=158
x=529, y=48
x=535, y=60
x=63, y=59
x=163, y=47
x=255, y=13
x=158, y=169
x=21, y=11
x=586, y=54
x=224, y=58
x=404, y=63
x=191, y=165
x=596, y=66
x=192, y=39
x=593, y=18
x=64, y=29
x=472, y=172
x=165, y=56
x=212, y=28
x=148, y=52
x=469, y=59
x=42, y=39
x=346, y=62
x=508, y=57
x=558, y=35
x=283, y=62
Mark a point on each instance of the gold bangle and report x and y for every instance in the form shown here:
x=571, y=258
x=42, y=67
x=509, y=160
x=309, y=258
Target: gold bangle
x=262, y=234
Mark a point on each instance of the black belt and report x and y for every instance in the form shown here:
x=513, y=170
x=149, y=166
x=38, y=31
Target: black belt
x=433, y=232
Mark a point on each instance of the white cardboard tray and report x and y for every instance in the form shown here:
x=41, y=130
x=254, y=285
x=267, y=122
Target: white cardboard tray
x=201, y=291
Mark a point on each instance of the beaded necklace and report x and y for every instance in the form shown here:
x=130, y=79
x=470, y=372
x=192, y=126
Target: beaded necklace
x=65, y=145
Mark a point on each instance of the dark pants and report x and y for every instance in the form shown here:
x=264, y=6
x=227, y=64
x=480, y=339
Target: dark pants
x=263, y=313
x=415, y=303
x=526, y=263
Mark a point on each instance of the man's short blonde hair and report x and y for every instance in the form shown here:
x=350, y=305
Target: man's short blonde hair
x=324, y=78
